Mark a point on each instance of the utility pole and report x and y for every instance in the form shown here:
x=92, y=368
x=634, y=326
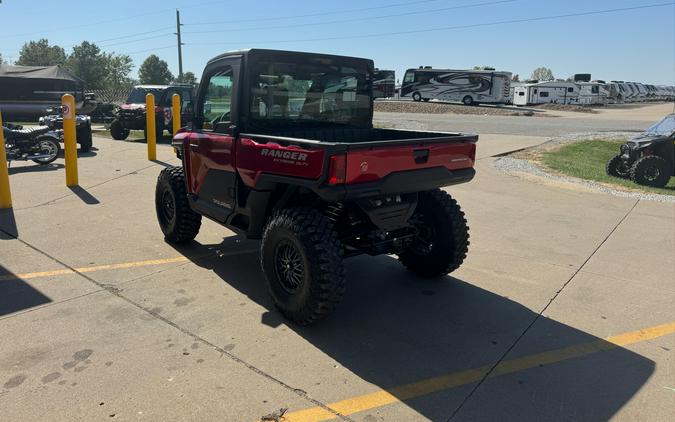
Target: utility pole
x=180, y=46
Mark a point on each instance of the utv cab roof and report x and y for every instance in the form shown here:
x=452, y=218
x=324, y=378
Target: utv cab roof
x=264, y=52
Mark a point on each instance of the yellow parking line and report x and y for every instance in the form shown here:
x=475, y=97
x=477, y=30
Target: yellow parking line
x=119, y=266
x=445, y=382
x=91, y=269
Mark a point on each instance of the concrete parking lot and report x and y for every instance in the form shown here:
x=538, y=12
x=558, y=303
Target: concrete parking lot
x=562, y=311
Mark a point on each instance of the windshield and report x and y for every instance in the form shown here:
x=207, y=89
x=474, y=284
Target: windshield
x=318, y=90
x=665, y=127
x=137, y=96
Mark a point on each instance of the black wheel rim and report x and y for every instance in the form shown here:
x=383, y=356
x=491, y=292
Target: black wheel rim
x=425, y=236
x=288, y=266
x=167, y=207
x=652, y=173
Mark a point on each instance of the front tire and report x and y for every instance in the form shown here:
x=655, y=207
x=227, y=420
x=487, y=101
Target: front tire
x=468, y=100
x=117, y=131
x=302, y=262
x=176, y=219
x=417, y=96
x=651, y=171
x=442, y=239
x=617, y=167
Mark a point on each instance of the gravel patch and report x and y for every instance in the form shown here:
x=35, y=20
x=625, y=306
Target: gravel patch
x=522, y=162
x=434, y=107
x=568, y=107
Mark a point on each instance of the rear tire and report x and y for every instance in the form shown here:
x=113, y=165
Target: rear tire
x=117, y=131
x=442, y=241
x=176, y=219
x=651, y=171
x=159, y=133
x=617, y=167
x=48, y=145
x=302, y=261
x=468, y=100
x=85, y=139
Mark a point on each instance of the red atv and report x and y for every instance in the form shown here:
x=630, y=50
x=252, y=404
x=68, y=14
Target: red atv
x=282, y=148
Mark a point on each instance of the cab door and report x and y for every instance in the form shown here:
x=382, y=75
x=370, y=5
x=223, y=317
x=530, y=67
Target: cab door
x=210, y=149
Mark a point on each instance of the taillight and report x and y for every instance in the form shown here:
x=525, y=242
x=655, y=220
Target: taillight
x=337, y=169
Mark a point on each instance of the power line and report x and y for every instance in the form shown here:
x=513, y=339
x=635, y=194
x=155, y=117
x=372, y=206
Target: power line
x=447, y=28
x=418, y=12
x=135, y=34
x=136, y=15
x=335, y=12
x=137, y=40
x=131, y=53
x=70, y=28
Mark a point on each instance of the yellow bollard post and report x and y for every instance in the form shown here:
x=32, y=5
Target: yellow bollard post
x=175, y=112
x=5, y=194
x=69, y=141
x=151, y=132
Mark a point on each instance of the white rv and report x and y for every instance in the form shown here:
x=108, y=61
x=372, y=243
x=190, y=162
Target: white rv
x=466, y=86
x=593, y=93
x=546, y=92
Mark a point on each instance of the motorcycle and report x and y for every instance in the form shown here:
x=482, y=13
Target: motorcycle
x=54, y=120
x=40, y=144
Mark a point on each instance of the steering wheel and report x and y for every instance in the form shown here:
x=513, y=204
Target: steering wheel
x=225, y=117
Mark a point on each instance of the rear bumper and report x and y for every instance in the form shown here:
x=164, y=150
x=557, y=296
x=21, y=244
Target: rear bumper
x=409, y=181
x=395, y=183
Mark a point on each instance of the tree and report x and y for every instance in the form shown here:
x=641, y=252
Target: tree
x=515, y=78
x=542, y=74
x=155, y=71
x=188, y=78
x=90, y=64
x=118, y=69
x=483, y=68
x=40, y=53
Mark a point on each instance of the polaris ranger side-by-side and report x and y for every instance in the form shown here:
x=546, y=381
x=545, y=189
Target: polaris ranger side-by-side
x=282, y=148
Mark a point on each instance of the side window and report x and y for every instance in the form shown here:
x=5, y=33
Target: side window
x=185, y=99
x=168, y=98
x=543, y=94
x=217, y=99
x=570, y=89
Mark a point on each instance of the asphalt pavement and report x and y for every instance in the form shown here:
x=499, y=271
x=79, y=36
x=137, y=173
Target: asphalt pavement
x=562, y=311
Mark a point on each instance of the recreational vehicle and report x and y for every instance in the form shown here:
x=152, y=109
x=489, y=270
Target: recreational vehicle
x=384, y=83
x=468, y=86
x=546, y=92
x=592, y=93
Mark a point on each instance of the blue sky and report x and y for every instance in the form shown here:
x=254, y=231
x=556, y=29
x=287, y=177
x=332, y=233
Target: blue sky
x=635, y=45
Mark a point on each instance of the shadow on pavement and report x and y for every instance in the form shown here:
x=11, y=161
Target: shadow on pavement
x=8, y=229
x=85, y=196
x=36, y=168
x=163, y=163
x=393, y=329
x=17, y=295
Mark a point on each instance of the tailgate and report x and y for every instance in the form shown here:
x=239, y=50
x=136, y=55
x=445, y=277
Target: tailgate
x=366, y=165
